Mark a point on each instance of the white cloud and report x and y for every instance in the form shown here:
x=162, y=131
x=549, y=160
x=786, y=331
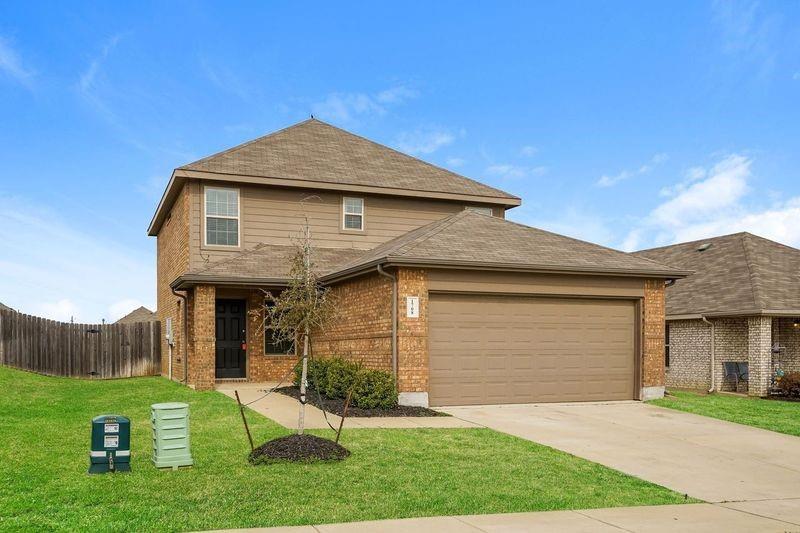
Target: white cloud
x=609, y=181
x=507, y=170
x=87, y=82
x=55, y=270
x=528, y=151
x=455, y=162
x=747, y=32
x=716, y=201
x=423, y=140
x=346, y=108
x=573, y=221
x=11, y=63
x=63, y=310
x=396, y=95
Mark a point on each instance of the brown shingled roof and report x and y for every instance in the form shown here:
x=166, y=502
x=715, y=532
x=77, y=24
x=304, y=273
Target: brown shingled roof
x=267, y=264
x=737, y=274
x=473, y=239
x=315, y=151
x=142, y=314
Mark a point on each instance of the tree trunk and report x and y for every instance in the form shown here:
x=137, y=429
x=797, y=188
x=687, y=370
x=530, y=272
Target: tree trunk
x=303, y=382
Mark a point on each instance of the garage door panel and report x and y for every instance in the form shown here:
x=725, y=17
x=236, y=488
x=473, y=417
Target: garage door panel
x=506, y=349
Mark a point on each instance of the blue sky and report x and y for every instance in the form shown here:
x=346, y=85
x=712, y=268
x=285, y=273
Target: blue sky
x=630, y=124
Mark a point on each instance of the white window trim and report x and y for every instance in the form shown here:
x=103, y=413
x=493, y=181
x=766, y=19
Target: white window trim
x=237, y=218
x=362, y=214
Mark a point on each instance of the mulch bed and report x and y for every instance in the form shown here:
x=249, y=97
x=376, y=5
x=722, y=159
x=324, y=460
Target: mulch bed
x=298, y=448
x=336, y=406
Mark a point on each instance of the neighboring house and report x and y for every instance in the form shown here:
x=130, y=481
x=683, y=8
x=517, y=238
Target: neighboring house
x=142, y=314
x=486, y=310
x=747, y=288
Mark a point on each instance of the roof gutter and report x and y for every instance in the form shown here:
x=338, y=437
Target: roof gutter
x=505, y=267
x=392, y=277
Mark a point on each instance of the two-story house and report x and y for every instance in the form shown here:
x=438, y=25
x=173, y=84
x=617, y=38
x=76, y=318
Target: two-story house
x=431, y=282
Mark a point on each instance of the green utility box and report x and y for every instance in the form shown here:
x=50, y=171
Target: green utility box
x=111, y=444
x=171, y=435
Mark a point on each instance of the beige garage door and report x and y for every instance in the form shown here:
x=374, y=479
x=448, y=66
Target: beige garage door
x=515, y=349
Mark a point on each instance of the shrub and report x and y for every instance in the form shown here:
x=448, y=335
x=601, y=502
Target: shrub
x=334, y=377
x=374, y=388
x=790, y=385
x=340, y=376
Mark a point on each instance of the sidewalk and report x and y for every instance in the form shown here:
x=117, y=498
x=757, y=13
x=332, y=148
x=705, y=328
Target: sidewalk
x=701, y=517
x=284, y=410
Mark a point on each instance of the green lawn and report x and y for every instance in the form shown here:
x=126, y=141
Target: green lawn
x=44, y=443
x=774, y=415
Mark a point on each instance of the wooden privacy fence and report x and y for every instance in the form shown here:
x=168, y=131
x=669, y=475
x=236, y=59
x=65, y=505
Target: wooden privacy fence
x=79, y=350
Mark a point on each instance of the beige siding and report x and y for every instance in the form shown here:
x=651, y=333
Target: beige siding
x=545, y=284
x=273, y=215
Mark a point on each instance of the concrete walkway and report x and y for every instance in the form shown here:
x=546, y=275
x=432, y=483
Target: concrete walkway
x=647, y=519
x=284, y=410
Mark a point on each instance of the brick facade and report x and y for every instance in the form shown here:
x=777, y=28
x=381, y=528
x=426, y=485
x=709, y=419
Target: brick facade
x=362, y=328
x=759, y=339
x=653, y=312
x=412, y=333
x=262, y=366
x=787, y=337
x=202, y=337
x=172, y=260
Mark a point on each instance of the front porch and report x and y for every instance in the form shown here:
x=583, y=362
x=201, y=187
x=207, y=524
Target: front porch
x=227, y=340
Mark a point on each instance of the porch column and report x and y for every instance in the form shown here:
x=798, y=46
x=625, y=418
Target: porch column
x=203, y=356
x=759, y=337
x=412, y=338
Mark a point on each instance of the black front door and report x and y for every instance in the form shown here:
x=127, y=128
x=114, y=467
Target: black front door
x=230, y=320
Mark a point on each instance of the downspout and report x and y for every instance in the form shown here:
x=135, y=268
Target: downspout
x=713, y=354
x=185, y=333
x=392, y=277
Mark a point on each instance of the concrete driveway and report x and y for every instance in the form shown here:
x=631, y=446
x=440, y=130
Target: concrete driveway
x=740, y=467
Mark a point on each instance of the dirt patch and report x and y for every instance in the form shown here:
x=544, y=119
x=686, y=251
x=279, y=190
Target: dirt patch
x=336, y=407
x=298, y=448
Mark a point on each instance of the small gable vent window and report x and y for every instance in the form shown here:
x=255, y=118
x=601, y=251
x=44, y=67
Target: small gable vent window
x=353, y=213
x=480, y=209
x=222, y=216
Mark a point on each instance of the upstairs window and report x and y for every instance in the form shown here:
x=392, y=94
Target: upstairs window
x=222, y=216
x=480, y=209
x=353, y=213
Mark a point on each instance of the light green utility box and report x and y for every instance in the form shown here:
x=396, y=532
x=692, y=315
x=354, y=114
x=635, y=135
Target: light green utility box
x=171, y=435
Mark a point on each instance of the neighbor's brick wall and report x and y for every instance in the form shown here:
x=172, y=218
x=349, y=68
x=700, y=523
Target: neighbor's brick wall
x=202, y=337
x=653, y=312
x=731, y=345
x=362, y=328
x=689, y=354
x=262, y=367
x=788, y=337
x=172, y=260
x=760, y=349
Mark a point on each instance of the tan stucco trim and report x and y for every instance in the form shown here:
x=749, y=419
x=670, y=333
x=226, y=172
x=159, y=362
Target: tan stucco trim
x=181, y=175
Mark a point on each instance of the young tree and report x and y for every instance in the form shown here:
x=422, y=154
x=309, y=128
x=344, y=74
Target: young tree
x=304, y=308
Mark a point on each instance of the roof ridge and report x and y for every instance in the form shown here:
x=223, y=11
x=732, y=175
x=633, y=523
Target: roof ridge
x=754, y=282
x=248, y=143
x=439, y=226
